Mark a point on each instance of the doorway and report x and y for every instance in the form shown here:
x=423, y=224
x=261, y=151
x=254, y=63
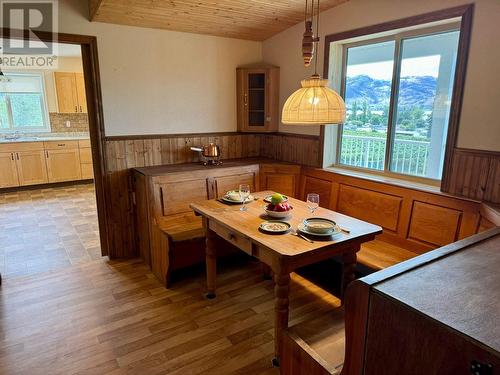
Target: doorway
x=52, y=201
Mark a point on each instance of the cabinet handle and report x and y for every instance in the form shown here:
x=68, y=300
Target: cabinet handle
x=76, y=108
x=17, y=155
x=47, y=154
x=81, y=110
x=245, y=99
x=61, y=144
x=12, y=155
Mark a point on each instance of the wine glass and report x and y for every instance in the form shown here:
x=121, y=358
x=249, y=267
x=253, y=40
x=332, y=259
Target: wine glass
x=312, y=201
x=244, y=194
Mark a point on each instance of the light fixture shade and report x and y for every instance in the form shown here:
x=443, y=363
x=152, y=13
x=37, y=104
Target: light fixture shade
x=314, y=104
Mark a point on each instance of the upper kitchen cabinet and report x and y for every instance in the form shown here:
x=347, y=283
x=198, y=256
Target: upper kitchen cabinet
x=258, y=98
x=70, y=89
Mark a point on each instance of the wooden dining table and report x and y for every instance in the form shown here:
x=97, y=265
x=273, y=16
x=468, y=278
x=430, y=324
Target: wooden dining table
x=284, y=253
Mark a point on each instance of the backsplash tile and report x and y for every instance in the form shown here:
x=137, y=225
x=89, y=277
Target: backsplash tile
x=79, y=122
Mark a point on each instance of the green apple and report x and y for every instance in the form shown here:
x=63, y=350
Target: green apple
x=277, y=198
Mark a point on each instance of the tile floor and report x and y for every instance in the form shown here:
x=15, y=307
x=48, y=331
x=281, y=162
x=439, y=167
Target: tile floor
x=47, y=229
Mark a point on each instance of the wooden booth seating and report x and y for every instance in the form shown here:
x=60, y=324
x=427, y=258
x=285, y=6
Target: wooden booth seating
x=379, y=254
x=178, y=236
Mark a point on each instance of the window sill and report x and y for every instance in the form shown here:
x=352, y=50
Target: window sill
x=390, y=180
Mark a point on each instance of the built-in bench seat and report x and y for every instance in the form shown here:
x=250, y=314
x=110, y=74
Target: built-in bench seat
x=315, y=347
x=378, y=254
x=181, y=227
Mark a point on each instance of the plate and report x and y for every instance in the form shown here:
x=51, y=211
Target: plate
x=267, y=199
x=302, y=228
x=274, y=227
x=226, y=198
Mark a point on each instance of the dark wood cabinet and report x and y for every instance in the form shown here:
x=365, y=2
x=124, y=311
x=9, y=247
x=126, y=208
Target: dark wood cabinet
x=258, y=98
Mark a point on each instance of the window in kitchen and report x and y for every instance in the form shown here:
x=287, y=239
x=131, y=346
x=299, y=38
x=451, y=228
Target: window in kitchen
x=398, y=92
x=22, y=103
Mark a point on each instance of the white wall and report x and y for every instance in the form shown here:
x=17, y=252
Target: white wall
x=480, y=124
x=158, y=81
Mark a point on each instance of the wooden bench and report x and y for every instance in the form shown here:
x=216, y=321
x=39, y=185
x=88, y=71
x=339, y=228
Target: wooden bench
x=177, y=235
x=378, y=254
x=315, y=347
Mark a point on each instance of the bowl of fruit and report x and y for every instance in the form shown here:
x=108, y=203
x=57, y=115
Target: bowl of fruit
x=279, y=206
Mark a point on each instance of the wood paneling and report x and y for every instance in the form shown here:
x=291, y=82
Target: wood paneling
x=177, y=196
x=242, y=19
x=280, y=178
x=223, y=184
x=434, y=224
x=318, y=186
x=475, y=174
x=293, y=148
x=375, y=207
x=425, y=219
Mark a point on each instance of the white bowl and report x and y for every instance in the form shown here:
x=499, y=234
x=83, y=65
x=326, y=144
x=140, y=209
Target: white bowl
x=278, y=214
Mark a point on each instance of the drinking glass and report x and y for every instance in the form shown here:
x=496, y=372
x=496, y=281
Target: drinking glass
x=312, y=201
x=244, y=194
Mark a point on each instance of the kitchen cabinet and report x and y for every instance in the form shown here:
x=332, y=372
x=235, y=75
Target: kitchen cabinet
x=31, y=167
x=8, y=170
x=34, y=163
x=70, y=88
x=63, y=161
x=87, y=167
x=80, y=91
x=258, y=98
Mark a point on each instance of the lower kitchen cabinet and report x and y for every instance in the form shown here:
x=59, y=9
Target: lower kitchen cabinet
x=63, y=165
x=31, y=167
x=8, y=170
x=36, y=163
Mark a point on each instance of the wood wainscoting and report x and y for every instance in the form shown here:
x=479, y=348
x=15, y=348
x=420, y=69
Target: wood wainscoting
x=124, y=153
x=293, y=148
x=414, y=219
x=475, y=174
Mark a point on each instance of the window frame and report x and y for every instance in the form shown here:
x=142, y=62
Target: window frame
x=420, y=22
x=44, y=107
x=397, y=38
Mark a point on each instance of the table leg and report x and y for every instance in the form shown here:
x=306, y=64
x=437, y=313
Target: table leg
x=211, y=262
x=348, y=270
x=281, y=292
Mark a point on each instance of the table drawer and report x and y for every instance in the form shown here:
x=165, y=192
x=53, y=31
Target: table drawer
x=243, y=243
x=61, y=145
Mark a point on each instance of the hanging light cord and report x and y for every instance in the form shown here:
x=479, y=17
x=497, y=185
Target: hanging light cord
x=316, y=38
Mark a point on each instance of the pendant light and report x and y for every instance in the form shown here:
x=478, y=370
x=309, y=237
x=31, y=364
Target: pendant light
x=315, y=103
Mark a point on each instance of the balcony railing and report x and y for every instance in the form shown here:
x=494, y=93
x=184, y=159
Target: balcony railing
x=408, y=157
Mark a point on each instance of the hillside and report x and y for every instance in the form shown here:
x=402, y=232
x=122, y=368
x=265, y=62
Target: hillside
x=414, y=91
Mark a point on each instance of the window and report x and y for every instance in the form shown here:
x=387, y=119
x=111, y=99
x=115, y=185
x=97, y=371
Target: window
x=398, y=93
x=22, y=103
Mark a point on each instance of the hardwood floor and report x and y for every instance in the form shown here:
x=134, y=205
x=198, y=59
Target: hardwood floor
x=109, y=317
x=48, y=228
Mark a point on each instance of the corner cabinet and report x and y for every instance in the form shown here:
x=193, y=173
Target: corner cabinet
x=258, y=98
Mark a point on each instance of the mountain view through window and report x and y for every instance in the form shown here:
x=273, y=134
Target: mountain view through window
x=410, y=116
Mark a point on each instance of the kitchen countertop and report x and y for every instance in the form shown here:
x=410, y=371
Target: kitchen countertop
x=45, y=139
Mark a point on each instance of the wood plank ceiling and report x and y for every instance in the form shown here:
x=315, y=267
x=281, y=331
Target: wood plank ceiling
x=241, y=19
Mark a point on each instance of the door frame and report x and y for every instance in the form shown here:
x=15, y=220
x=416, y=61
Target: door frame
x=95, y=113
